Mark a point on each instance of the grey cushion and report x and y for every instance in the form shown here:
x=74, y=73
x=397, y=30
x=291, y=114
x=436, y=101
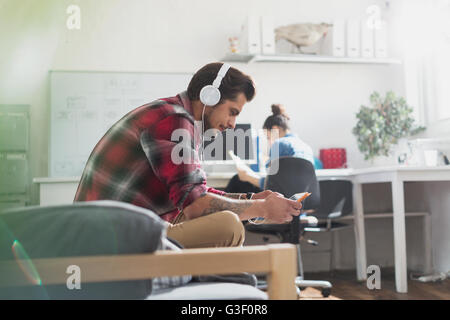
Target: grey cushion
x=209, y=291
x=81, y=229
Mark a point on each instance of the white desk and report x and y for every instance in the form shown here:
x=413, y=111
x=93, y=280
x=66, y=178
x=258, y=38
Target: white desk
x=62, y=190
x=55, y=191
x=220, y=179
x=396, y=176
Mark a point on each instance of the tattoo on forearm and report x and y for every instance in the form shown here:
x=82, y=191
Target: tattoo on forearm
x=218, y=204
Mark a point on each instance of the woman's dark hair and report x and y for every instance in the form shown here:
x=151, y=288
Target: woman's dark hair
x=232, y=84
x=278, y=118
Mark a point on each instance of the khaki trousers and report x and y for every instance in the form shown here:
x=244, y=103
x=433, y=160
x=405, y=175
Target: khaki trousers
x=219, y=229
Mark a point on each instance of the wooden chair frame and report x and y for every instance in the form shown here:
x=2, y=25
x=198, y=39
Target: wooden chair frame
x=278, y=261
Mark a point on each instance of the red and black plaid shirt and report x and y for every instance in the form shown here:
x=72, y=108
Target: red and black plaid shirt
x=133, y=161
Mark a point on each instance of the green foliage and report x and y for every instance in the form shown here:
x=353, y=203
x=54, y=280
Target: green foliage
x=379, y=127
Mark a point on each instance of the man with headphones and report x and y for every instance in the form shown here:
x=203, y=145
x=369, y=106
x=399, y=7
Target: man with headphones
x=134, y=162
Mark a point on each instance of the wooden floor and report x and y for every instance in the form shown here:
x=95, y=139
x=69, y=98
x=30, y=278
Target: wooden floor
x=345, y=287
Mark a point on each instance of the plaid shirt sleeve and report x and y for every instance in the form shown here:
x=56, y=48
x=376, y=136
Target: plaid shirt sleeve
x=175, y=161
x=219, y=192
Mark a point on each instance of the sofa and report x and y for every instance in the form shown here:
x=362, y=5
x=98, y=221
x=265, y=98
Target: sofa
x=118, y=251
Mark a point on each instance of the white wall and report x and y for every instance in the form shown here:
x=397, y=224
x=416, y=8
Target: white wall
x=426, y=74
x=322, y=99
x=181, y=36
x=29, y=33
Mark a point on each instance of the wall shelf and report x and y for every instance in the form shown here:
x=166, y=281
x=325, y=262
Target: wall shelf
x=305, y=58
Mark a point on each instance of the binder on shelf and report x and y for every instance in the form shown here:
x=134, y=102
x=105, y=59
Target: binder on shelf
x=251, y=36
x=334, y=41
x=267, y=35
x=367, y=40
x=353, y=38
x=380, y=35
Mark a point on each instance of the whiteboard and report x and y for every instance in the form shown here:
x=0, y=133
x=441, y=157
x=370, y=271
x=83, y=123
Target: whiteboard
x=84, y=105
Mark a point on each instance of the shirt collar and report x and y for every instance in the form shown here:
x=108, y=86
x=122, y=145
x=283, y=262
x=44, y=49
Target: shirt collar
x=186, y=102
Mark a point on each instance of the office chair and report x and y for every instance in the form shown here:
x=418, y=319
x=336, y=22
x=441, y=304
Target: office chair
x=336, y=202
x=289, y=176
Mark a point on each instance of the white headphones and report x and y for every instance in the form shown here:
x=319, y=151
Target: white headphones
x=210, y=94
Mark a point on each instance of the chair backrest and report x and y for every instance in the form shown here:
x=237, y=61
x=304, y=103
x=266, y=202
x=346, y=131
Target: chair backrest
x=336, y=197
x=294, y=175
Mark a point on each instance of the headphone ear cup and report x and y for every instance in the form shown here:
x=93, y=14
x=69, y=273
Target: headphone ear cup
x=209, y=95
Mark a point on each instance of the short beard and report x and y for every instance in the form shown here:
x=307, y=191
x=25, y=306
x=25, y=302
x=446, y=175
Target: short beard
x=208, y=127
x=207, y=124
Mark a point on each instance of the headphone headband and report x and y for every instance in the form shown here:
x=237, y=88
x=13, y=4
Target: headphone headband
x=222, y=72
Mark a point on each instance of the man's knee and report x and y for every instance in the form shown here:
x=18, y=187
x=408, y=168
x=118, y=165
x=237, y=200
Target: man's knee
x=232, y=228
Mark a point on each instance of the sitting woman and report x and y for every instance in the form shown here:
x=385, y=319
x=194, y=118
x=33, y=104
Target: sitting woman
x=285, y=144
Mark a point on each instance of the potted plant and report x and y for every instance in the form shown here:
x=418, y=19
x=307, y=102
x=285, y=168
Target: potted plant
x=380, y=126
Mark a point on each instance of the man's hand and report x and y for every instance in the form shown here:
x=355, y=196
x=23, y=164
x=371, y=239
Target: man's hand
x=264, y=194
x=278, y=209
x=273, y=207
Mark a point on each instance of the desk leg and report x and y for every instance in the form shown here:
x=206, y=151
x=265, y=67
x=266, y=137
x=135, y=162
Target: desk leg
x=428, y=244
x=360, y=237
x=398, y=203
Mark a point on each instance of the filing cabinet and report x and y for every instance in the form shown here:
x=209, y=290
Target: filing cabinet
x=14, y=155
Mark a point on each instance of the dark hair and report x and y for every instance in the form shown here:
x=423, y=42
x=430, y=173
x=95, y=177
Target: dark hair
x=232, y=84
x=278, y=118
